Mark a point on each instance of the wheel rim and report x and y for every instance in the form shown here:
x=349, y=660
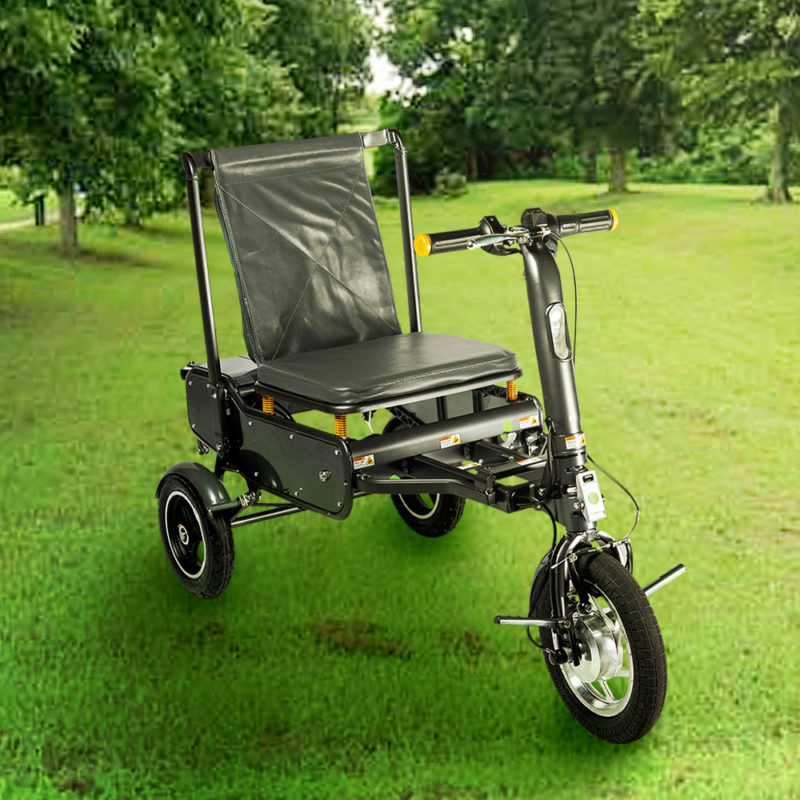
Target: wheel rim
x=603, y=680
x=421, y=506
x=185, y=534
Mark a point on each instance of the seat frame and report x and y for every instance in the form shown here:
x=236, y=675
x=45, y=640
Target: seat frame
x=312, y=469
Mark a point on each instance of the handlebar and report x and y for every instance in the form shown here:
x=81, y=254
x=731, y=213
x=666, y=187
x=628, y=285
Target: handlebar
x=590, y=221
x=431, y=244
x=535, y=223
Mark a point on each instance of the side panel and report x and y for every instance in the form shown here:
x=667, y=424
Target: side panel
x=306, y=467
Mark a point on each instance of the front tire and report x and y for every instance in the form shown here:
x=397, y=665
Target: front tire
x=199, y=548
x=617, y=690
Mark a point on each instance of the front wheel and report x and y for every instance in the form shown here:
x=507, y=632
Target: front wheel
x=617, y=690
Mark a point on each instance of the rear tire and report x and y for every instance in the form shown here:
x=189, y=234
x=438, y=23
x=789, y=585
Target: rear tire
x=199, y=548
x=618, y=689
x=429, y=515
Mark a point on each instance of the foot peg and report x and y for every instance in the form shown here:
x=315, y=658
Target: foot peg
x=527, y=622
x=658, y=583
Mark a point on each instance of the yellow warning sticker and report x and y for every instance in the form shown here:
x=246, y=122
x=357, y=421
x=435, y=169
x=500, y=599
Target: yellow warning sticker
x=525, y=461
x=528, y=422
x=364, y=461
x=575, y=442
x=449, y=441
x=468, y=464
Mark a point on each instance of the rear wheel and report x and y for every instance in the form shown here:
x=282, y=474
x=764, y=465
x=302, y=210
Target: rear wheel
x=199, y=548
x=617, y=689
x=430, y=515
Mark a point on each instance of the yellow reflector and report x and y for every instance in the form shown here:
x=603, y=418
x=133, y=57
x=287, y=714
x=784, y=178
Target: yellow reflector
x=615, y=216
x=422, y=244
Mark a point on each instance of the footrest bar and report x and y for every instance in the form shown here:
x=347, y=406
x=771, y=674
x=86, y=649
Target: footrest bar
x=527, y=622
x=658, y=583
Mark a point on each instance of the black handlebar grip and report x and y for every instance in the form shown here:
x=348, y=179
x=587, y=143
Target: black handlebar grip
x=429, y=244
x=570, y=224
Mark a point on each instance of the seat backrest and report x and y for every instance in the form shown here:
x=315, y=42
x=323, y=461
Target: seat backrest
x=301, y=230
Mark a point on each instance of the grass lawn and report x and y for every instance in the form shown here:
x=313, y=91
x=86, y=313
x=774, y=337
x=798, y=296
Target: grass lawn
x=355, y=659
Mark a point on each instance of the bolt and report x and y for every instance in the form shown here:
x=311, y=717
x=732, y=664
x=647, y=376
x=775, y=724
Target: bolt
x=250, y=423
x=339, y=503
x=208, y=386
x=541, y=491
x=572, y=558
x=291, y=436
x=336, y=452
x=256, y=474
x=190, y=383
x=194, y=427
x=577, y=505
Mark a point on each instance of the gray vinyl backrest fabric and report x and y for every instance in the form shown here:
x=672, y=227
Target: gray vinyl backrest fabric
x=301, y=230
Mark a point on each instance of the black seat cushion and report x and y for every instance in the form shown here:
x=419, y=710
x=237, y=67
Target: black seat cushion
x=390, y=366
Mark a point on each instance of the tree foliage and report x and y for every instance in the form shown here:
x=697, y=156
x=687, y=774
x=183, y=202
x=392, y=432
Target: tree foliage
x=523, y=79
x=736, y=61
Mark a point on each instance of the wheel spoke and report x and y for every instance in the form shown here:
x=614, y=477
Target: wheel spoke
x=622, y=673
x=606, y=691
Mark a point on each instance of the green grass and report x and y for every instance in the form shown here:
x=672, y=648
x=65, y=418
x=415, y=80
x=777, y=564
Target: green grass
x=357, y=660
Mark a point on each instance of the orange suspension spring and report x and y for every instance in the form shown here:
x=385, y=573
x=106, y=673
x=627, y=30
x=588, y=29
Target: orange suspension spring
x=511, y=390
x=267, y=404
x=340, y=426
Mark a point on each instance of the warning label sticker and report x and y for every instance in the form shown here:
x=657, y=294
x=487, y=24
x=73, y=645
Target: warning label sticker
x=364, y=461
x=468, y=464
x=525, y=461
x=449, y=441
x=528, y=422
x=575, y=442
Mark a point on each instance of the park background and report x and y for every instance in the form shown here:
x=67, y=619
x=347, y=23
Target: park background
x=355, y=659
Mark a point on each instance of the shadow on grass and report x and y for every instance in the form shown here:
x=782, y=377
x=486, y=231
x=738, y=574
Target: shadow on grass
x=146, y=676
x=82, y=257
x=154, y=231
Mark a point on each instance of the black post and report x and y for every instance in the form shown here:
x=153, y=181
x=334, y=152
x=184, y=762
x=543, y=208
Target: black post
x=38, y=209
x=407, y=226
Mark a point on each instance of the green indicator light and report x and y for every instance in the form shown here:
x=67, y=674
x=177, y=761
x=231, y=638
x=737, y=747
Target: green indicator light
x=593, y=498
x=508, y=426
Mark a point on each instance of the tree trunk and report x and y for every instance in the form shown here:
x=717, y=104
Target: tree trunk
x=590, y=176
x=69, y=222
x=334, y=109
x=472, y=165
x=780, y=168
x=618, y=180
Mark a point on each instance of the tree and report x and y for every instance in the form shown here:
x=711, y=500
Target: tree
x=106, y=95
x=736, y=61
x=325, y=45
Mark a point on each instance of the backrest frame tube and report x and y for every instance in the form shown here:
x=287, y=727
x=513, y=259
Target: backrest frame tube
x=407, y=226
x=190, y=164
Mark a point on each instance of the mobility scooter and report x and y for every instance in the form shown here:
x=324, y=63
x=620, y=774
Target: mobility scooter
x=322, y=334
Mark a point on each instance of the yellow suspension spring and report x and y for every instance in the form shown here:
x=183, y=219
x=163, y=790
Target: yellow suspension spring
x=511, y=390
x=267, y=404
x=340, y=426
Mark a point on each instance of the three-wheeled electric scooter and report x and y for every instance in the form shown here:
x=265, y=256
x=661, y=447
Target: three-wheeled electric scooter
x=322, y=333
